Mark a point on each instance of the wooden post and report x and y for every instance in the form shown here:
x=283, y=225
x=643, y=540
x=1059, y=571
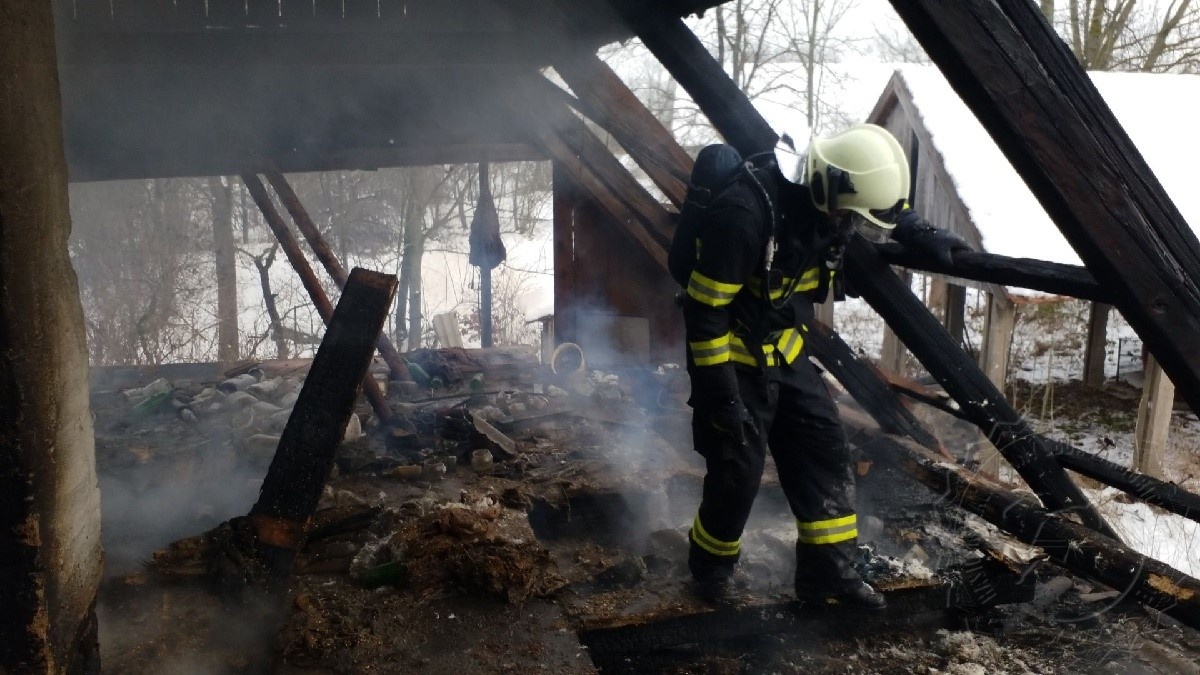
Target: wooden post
x=825, y=311
x=1153, y=420
x=304, y=459
x=938, y=293
x=955, y=318
x=733, y=115
x=1068, y=146
x=295, y=256
x=329, y=259
x=485, y=307
x=1097, y=345
x=998, y=328
x=892, y=355
x=50, y=556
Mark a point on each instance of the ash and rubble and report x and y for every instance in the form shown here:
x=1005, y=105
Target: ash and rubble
x=509, y=515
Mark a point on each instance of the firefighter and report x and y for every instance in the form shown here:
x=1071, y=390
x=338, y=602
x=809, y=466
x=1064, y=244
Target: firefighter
x=763, y=246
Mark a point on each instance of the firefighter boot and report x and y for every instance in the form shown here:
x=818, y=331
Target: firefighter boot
x=825, y=572
x=714, y=581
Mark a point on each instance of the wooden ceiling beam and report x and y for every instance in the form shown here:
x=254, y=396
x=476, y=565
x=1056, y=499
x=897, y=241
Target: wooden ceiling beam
x=605, y=99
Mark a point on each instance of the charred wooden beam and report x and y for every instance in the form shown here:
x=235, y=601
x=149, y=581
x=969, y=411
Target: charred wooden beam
x=1168, y=496
x=1030, y=93
x=291, y=248
x=312, y=234
x=605, y=99
x=592, y=166
x=866, y=384
x=1038, y=275
x=693, y=67
x=979, y=399
x=307, y=446
x=696, y=70
x=1071, y=545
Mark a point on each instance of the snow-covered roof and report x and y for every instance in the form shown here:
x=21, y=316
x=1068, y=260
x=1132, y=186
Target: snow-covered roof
x=1156, y=110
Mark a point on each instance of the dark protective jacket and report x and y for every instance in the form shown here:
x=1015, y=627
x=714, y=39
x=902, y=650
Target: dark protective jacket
x=727, y=321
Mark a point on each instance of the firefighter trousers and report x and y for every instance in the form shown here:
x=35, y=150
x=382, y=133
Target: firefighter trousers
x=792, y=414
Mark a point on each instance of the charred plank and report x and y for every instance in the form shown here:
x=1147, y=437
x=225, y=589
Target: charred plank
x=304, y=459
x=1038, y=275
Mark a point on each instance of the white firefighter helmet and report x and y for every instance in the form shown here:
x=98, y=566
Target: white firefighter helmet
x=862, y=169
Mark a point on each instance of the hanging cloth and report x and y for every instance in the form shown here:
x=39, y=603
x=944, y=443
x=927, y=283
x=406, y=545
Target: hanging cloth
x=487, y=250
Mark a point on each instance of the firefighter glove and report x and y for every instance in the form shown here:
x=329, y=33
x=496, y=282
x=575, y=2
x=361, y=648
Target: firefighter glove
x=916, y=233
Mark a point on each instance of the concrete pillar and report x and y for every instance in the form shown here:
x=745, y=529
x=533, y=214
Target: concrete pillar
x=1153, y=421
x=50, y=558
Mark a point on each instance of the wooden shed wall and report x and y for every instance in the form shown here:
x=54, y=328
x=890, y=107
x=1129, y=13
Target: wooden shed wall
x=600, y=269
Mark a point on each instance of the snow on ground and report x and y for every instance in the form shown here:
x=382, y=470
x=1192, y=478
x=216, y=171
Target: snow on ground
x=1167, y=537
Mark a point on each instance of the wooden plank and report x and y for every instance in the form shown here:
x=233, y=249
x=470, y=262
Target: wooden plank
x=696, y=70
x=291, y=248
x=1030, y=93
x=320, y=247
x=1069, y=544
x=605, y=99
x=1038, y=275
x=1096, y=350
x=1153, y=420
x=567, y=207
x=304, y=459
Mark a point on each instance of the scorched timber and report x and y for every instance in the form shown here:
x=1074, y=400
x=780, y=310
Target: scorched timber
x=302, y=464
x=1071, y=545
x=737, y=120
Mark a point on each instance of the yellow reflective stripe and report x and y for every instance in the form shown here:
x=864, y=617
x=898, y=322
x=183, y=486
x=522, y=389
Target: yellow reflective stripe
x=790, y=344
x=825, y=524
x=830, y=531
x=710, y=291
x=710, y=352
x=810, y=279
x=835, y=538
x=710, y=543
x=738, y=352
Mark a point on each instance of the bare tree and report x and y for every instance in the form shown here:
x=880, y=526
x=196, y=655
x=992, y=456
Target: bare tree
x=221, y=195
x=1127, y=36
x=812, y=35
